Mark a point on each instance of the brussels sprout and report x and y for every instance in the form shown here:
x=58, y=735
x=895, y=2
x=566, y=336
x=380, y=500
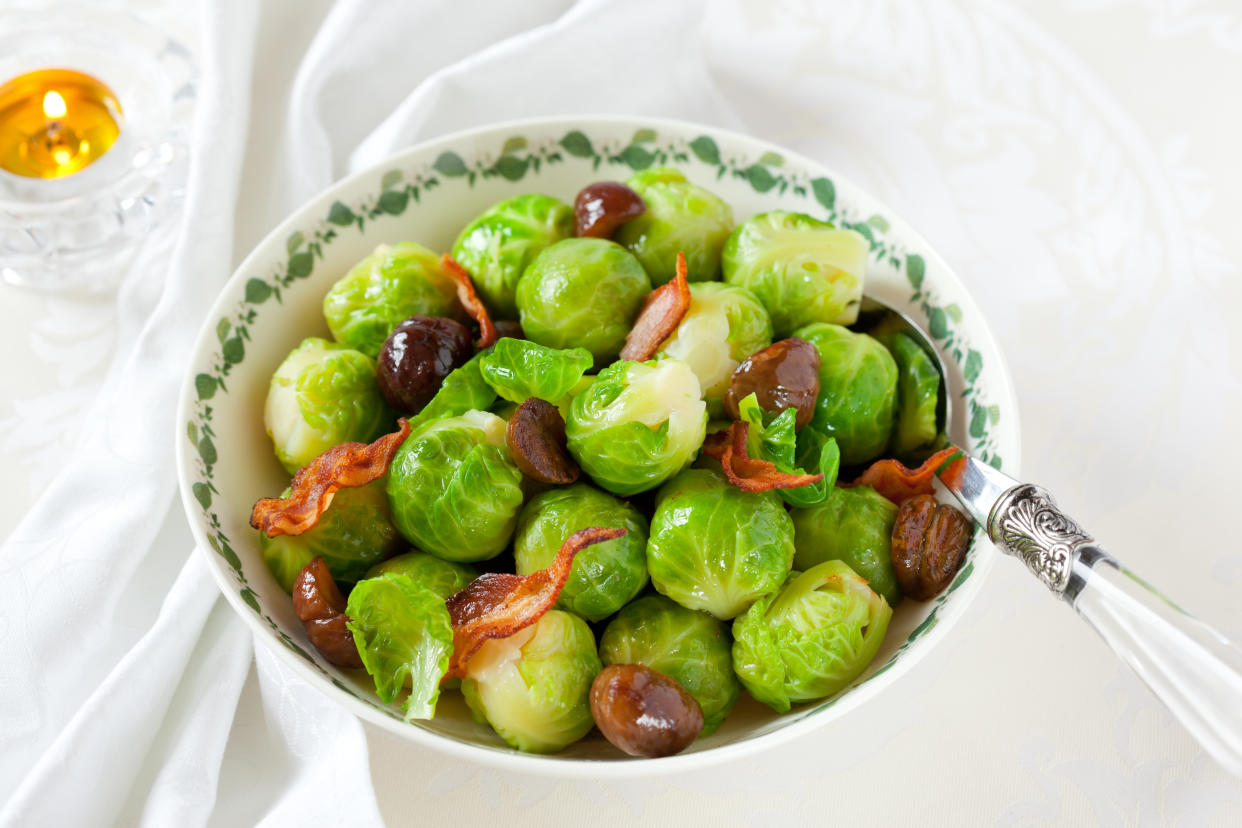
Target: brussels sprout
x=383, y=289
x=637, y=424
x=724, y=325
x=852, y=525
x=323, y=394
x=454, y=490
x=442, y=577
x=354, y=533
x=464, y=389
x=403, y=632
x=497, y=246
x=716, y=548
x=811, y=639
x=803, y=270
x=858, y=390
x=691, y=647
x=804, y=452
x=604, y=576
x=582, y=292
x=533, y=687
x=680, y=218
x=518, y=370
x=918, y=392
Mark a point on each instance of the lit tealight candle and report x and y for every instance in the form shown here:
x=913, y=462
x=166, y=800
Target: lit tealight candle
x=54, y=122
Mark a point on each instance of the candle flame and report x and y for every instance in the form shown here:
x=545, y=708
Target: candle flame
x=54, y=105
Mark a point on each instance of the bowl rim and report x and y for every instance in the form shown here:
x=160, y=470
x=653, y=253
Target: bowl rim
x=552, y=764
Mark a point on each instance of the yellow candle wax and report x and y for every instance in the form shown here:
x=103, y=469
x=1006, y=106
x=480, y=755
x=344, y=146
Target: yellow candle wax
x=54, y=122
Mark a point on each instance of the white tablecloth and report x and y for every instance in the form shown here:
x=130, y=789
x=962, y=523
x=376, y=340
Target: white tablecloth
x=1076, y=161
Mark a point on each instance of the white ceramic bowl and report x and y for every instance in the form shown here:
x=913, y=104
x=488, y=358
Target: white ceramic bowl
x=427, y=194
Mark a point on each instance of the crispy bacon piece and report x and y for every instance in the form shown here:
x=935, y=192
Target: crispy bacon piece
x=662, y=312
x=898, y=483
x=346, y=466
x=750, y=474
x=470, y=301
x=498, y=604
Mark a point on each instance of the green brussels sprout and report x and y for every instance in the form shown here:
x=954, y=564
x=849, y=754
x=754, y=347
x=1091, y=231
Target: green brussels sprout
x=464, y=389
x=322, y=395
x=691, y=647
x=454, y=490
x=497, y=246
x=811, y=639
x=680, y=218
x=353, y=533
x=519, y=369
x=918, y=392
x=852, y=525
x=384, y=289
x=793, y=452
x=403, y=633
x=802, y=269
x=534, y=687
x=637, y=424
x=716, y=548
x=582, y=292
x=857, y=390
x=442, y=577
x=723, y=326
x=604, y=576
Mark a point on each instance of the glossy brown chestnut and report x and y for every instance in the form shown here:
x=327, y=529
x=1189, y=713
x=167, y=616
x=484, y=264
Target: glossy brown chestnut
x=929, y=544
x=783, y=375
x=320, y=606
x=536, y=440
x=644, y=712
x=417, y=356
x=602, y=207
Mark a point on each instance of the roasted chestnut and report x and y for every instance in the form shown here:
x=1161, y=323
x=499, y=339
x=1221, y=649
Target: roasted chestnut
x=929, y=544
x=644, y=712
x=320, y=606
x=602, y=207
x=783, y=375
x=417, y=356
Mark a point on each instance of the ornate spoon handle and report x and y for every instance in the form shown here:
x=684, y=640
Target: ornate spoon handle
x=1192, y=668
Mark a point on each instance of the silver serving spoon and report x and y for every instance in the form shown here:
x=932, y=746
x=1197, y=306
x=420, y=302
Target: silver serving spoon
x=1193, y=669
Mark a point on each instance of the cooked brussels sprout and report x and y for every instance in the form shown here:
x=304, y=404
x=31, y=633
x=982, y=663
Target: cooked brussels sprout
x=637, y=424
x=321, y=395
x=354, y=533
x=691, y=647
x=533, y=687
x=918, y=392
x=680, y=218
x=440, y=576
x=803, y=270
x=852, y=525
x=519, y=369
x=383, y=289
x=804, y=452
x=724, y=325
x=403, y=633
x=811, y=639
x=454, y=490
x=582, y=293
x=858, y=390
x=604, y=576
x=716, y=548
x=497, y=246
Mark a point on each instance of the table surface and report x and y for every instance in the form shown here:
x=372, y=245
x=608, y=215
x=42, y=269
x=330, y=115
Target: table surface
x=1078, y=167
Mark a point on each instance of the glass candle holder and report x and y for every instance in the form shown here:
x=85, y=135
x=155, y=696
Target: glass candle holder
x=95, y=109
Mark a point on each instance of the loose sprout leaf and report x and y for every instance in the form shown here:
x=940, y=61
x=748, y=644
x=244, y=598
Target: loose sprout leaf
x=748, y=473
x=470, y=301
x=498, y=604
x=662, y=312
x=898, y=483
x=345, y=466
x=519, y=369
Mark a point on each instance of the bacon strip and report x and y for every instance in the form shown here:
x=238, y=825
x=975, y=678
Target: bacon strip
x=662, y=312
x=898, y=483
x=470, y=301
x=346, y=466
x=750, y=474
x=498, y=604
